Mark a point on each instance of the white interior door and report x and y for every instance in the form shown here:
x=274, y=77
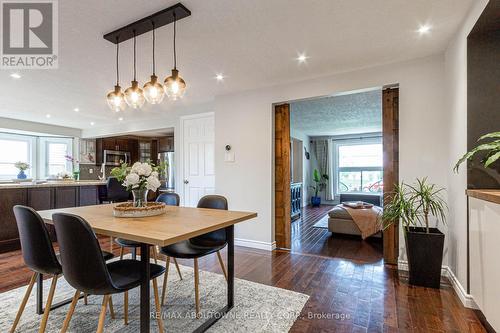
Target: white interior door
x=199, y=164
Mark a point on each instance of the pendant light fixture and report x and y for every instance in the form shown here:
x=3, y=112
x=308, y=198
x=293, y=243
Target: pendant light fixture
x=134, y=96
x=154, y=90
x=175, y=86
x=116, y=98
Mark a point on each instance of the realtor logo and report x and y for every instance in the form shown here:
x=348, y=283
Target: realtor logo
x=29, y=34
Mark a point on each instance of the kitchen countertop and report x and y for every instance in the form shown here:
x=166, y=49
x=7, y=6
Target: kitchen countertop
x=486, y=195
x=59, y=183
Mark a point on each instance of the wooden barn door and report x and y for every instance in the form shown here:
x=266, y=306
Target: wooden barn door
x=282, y=176
x=390, y=140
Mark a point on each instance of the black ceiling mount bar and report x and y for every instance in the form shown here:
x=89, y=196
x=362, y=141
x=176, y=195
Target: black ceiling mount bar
x=161, y=18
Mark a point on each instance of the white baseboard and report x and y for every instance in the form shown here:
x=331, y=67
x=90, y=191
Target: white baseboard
x=255, y=244
x=466, y=299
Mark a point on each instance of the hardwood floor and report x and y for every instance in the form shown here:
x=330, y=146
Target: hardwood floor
x=310, y=240
x=345, y=295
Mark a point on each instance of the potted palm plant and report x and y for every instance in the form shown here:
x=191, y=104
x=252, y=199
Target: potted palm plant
x=491, y=151
x=320, y=181
x=413, y=205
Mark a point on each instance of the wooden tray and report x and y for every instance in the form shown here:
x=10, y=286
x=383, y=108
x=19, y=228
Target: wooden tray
x=127, y=209
x=354, y=205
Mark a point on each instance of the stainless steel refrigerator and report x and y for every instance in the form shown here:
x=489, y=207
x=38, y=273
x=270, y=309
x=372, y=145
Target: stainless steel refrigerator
x=167, y=177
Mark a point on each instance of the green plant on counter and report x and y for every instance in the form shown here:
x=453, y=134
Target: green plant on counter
x=492, y=150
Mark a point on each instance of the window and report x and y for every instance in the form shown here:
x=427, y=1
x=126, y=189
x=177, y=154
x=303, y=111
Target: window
x=53, y=153
x=15, y=148
x=358, y=166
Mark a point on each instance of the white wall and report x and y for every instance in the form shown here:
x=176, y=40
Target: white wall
x=28, y=127
x=456, y=108
x=245, y=121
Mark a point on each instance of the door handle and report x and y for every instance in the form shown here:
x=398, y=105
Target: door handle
x=186, y=181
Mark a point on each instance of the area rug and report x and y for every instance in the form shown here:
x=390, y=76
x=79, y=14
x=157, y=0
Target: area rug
x=258, y=307
x=323, y=223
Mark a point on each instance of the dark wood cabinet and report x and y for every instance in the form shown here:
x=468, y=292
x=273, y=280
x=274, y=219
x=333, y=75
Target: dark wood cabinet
x=89, y=195
x=9, y=239
x=166, y=144
x=40, y=198
x=66, y=196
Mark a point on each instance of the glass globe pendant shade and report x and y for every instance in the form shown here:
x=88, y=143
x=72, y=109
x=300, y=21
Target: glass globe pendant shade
x=134, y=96
x=116, y=99
x=154, y=91
x=175, y=86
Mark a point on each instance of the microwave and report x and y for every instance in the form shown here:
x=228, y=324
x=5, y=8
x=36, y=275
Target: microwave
x=115, y=157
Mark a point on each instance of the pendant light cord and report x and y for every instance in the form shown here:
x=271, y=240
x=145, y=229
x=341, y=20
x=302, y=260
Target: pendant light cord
x=175, y=33
x=134, y=58
x=117, y=59
x=154, y=42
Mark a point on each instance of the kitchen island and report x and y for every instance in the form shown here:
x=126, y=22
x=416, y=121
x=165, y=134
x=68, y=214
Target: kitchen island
x=41, y=196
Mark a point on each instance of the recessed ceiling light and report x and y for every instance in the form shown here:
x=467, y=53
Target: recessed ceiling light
x=219, y=77
x=424, y=29
x=48, y=115
x=92, y=123
x=15, y=75
x=302, y=58
x=120, y=119
x=76, y=109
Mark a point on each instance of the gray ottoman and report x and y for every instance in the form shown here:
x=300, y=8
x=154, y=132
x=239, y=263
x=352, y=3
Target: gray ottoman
x=340, y=222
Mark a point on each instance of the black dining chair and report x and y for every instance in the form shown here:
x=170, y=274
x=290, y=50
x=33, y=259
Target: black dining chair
x=39, y=256
x=198, y=247
x=170, y=199
x=85, y=270
x=115, y=192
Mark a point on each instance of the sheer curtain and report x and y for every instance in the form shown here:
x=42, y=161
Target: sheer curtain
x=323, y=151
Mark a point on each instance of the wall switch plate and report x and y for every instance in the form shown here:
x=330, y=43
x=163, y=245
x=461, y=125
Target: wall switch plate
x=229, y=156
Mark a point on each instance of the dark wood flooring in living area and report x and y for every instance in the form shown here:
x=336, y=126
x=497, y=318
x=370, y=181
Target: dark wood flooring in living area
x=345, y=295
x=319, y=241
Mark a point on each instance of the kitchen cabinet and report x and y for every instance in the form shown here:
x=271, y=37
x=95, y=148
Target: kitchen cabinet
x=40, y=197
x=166, y=144
x=116, y=143
x=9, y=236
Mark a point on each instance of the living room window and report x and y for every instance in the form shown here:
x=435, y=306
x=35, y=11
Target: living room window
x=358, y=165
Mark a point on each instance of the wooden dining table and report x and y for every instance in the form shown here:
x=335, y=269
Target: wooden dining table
x=177, y=224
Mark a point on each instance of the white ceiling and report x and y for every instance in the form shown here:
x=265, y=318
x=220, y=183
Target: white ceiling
x=254, y=43
x=338, y=115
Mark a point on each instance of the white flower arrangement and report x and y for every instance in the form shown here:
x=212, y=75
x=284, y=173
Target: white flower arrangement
x=138, y=177
x=22, y=166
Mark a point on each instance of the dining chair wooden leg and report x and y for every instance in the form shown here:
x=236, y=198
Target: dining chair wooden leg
x=102, y=315
x=165, y=278
x=111, y=308
x=111, y=244
x=48, y=304
x=158, y=315
x=125, y=307
x=155, y=254
x=24, y=301
x=178, y=269
x=121, y=252
x=70, y=311
x=222, y=265
x=196, y=291
x=85, y=300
